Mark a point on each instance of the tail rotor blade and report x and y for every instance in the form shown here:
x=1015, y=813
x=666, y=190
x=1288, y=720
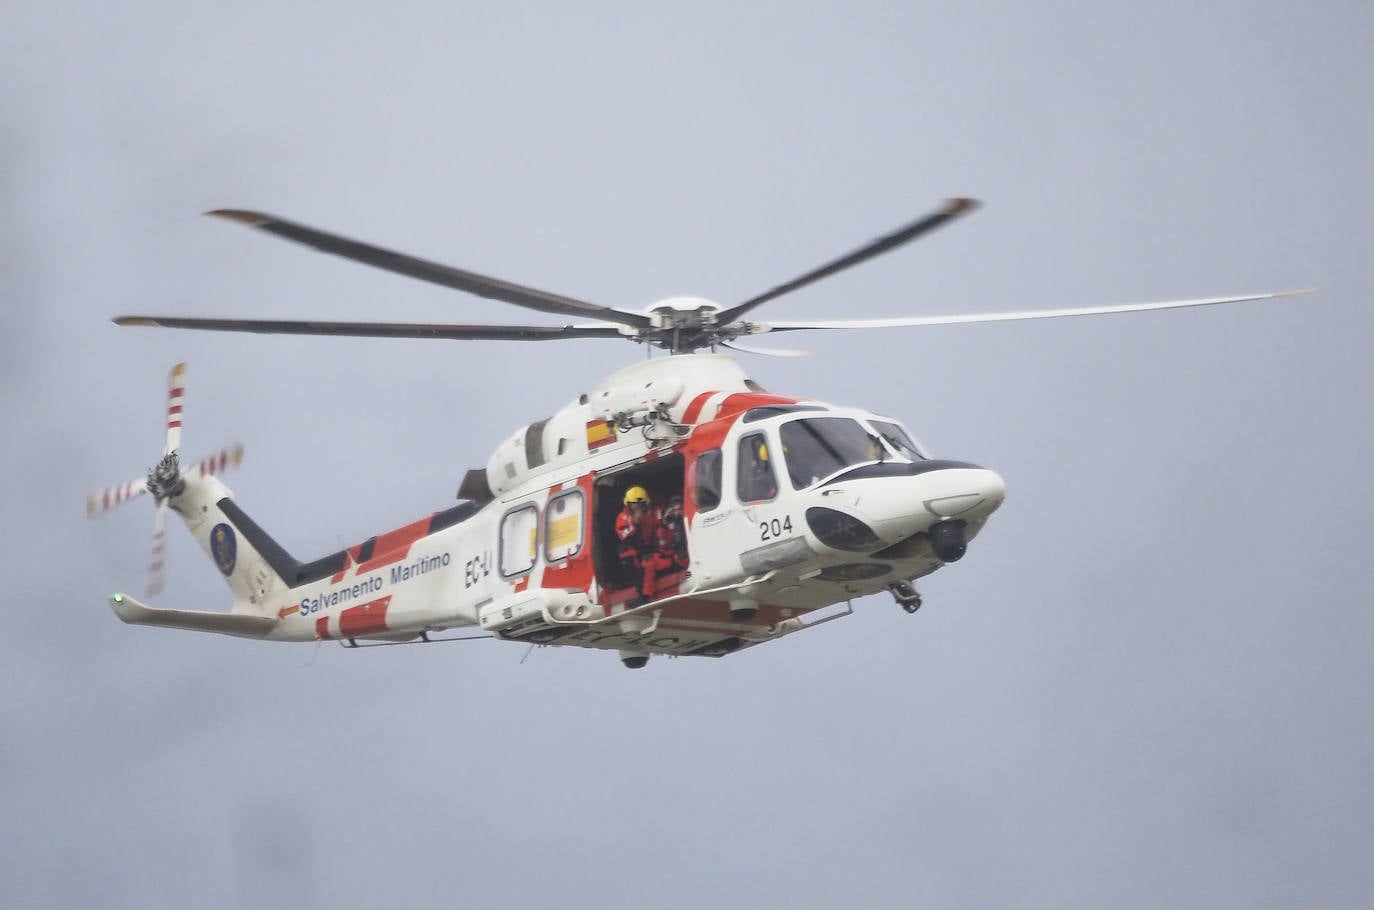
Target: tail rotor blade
x=176, y=391
x=158, y=559
x=108, y=498
x=226, y=458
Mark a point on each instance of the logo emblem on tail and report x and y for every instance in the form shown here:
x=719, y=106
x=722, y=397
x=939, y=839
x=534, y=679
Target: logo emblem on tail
x=224, y=548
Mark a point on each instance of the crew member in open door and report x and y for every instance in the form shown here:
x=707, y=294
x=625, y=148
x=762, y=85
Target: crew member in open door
x=639, y=532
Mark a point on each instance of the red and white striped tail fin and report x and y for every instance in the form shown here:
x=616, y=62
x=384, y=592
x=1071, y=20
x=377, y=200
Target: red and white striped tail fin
x=110, y=497
x=176, y=391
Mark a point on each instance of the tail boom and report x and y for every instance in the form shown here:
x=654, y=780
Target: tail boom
x=237, y=624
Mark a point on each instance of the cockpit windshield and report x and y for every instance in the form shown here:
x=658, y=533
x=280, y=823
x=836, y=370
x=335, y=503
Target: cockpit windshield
x=901, y=443
x=819, y=447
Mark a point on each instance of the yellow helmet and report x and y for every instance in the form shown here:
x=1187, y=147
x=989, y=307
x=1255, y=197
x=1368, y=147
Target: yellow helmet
x=636, y=494
x=763, y=451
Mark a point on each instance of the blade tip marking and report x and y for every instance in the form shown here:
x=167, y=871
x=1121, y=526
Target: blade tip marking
x=243, y=216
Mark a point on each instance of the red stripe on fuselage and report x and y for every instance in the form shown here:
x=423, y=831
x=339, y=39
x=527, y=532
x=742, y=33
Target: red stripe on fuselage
x=365, y=619
x=692, y=610
x=743, y=401
x=693, y=411
x=393, y=546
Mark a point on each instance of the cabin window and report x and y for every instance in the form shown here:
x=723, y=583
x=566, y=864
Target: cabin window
x=707, y=492
x=820, y=447
x=563, y=526
x=757, y=481
x=519, y=540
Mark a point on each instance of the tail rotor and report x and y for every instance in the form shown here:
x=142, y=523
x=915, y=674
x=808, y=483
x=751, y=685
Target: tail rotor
x=166, y=480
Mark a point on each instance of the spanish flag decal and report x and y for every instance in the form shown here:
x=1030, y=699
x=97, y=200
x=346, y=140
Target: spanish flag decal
x=599, y=433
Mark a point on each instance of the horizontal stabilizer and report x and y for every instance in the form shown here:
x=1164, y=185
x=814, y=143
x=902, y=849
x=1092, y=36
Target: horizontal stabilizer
x=135, y=613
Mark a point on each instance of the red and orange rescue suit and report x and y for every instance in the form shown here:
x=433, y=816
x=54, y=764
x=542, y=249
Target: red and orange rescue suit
x=646, y=545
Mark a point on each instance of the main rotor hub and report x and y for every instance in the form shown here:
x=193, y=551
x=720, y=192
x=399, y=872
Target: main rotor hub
x=682, y=324
x=683, y=312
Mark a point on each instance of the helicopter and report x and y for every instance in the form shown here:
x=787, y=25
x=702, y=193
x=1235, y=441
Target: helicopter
x=675, y=508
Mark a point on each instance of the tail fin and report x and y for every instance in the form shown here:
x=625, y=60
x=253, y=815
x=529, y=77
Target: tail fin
x=254, y=565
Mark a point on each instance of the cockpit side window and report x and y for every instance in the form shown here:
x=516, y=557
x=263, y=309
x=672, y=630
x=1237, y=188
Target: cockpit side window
x=819, y=447
x=707, y=490
x=901, y=443
x=757, y=482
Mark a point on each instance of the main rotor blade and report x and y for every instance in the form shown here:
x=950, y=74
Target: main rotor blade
x=379, y=329
x=473, y=283
x=951, y=209
x=759, y=328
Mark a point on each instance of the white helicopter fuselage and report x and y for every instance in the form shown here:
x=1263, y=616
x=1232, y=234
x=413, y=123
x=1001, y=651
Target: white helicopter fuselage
x=754, y=512
x=788, y=507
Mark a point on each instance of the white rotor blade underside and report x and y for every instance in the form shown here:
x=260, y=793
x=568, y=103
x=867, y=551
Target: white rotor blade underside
x=759, y=328
x=767, y=352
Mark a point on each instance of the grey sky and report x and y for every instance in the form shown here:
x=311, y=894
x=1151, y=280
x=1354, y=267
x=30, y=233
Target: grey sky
x=1146, y=685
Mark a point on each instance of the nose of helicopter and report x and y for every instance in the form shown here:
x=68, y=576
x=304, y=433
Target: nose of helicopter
x=959, y=490
x=896, y=501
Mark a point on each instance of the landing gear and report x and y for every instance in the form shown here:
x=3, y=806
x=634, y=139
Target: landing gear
x=907, y=597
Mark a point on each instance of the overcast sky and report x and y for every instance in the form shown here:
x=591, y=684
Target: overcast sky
x=1148, y=682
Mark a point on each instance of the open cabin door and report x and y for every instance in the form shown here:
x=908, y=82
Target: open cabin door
x=655, y=565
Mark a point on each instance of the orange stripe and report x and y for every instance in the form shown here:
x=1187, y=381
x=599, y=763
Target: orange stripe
x=694, y=409
x=394, y=545
x=365, y=619
x=743, y=401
